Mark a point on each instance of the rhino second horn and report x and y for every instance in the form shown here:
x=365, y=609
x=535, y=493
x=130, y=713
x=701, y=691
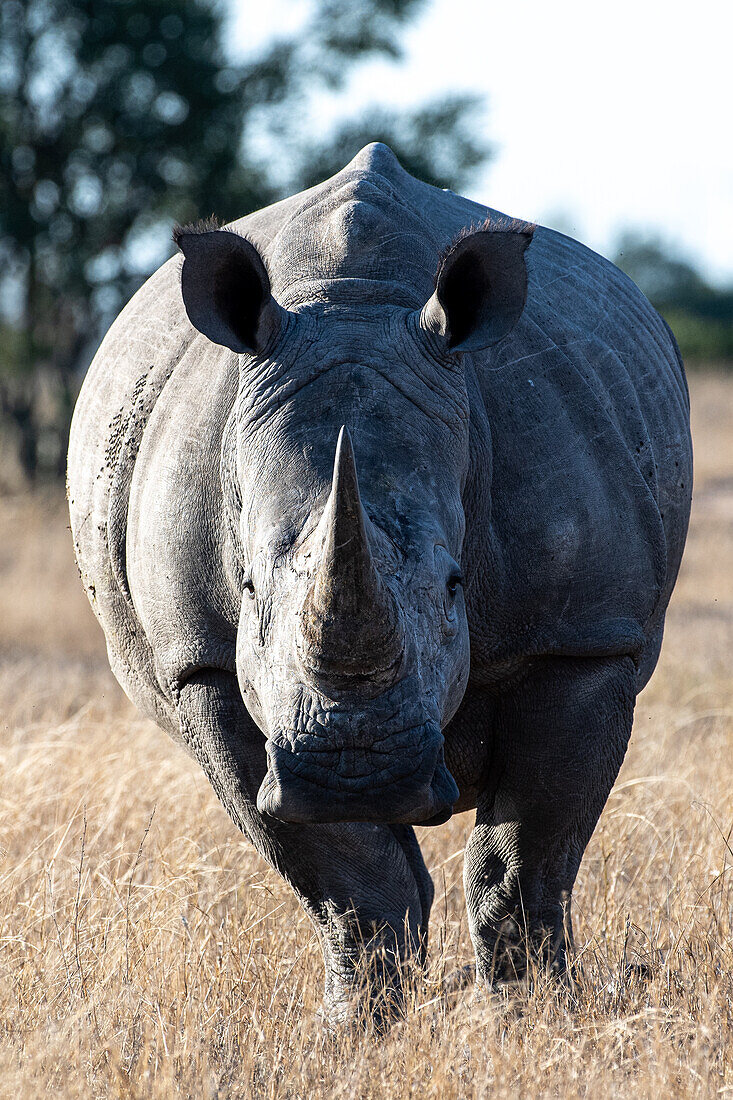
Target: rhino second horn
x=350, y=620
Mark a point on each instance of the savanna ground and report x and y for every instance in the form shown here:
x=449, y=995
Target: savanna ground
x=145, y=950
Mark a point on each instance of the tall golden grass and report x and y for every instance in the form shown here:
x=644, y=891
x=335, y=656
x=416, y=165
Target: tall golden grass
x=146, y=951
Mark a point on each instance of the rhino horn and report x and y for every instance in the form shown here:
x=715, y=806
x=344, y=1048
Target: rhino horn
x=350, y=620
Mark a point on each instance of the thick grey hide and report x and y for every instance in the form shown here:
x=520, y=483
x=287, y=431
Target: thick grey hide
x=457, y=610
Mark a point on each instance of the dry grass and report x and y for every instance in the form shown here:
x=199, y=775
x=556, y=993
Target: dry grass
x=160, y=957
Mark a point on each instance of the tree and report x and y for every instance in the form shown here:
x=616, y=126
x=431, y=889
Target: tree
x=118, y=117
x=700, y=315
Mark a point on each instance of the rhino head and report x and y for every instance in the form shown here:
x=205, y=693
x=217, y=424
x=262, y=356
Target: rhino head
x=347, y=467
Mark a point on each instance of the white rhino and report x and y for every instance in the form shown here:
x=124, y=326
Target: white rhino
x=379, y=497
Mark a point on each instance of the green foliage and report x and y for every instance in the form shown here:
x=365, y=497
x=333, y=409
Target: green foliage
x=430, y=143
x=699, y=337
x=700, y=315
x=118, y=117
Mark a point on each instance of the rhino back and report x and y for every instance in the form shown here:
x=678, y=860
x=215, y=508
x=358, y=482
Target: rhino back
x=591, y=464
x=585, y=399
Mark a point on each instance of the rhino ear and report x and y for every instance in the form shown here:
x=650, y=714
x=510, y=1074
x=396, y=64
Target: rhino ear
x=480, y=287
x=226, y=289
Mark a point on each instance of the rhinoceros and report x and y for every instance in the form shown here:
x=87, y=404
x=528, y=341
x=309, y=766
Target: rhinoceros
x=379, y=496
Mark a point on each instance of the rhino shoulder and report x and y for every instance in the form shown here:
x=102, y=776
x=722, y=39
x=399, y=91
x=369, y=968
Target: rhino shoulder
x=122, y=387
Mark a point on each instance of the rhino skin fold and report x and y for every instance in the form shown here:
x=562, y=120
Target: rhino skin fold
x=379, y=497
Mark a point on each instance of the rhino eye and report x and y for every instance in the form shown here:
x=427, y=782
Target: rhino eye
x=453, y=583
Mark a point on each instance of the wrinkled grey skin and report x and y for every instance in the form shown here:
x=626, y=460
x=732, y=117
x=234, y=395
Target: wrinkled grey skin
x=488, y=552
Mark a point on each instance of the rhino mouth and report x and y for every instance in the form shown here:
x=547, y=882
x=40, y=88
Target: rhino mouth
x=397, y=778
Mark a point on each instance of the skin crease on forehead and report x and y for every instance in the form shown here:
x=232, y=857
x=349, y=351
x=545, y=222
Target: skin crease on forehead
x=411, y=440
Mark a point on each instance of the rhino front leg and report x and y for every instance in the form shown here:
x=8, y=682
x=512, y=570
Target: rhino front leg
x=364, y=886
x=370, y=903
x=559, y=741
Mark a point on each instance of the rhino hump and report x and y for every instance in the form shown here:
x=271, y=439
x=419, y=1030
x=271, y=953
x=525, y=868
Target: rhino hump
x=372, y=232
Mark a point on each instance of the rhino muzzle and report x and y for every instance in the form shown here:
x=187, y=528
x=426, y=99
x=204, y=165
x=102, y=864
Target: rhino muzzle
x=401, y=780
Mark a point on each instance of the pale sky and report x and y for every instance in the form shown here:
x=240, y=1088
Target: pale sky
x=602, y=116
